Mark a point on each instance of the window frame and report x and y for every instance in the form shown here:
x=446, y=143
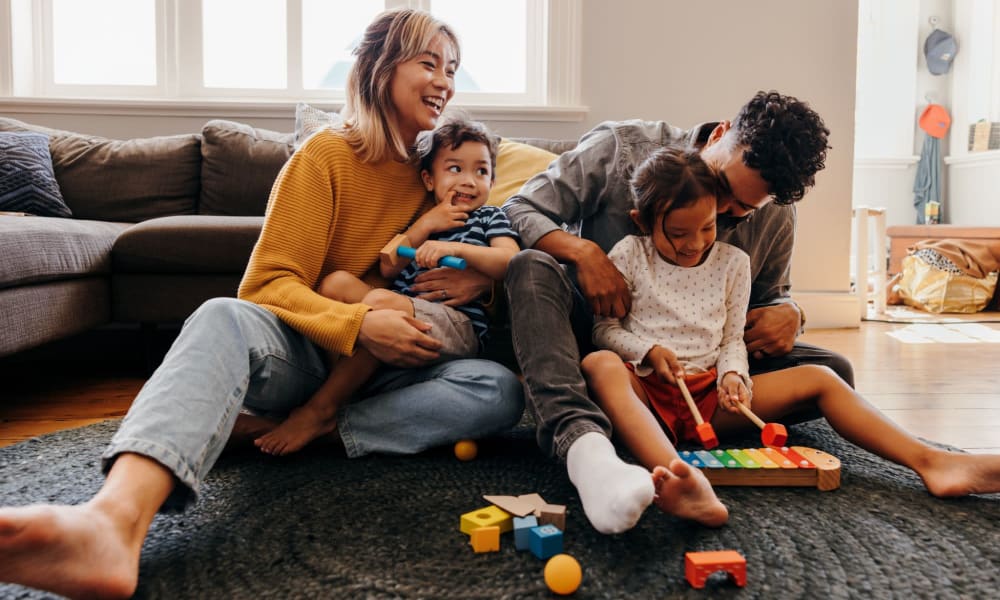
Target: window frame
x=552, y=58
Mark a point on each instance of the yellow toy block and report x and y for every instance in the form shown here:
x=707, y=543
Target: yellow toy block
x=485, y=539
x=486, y=517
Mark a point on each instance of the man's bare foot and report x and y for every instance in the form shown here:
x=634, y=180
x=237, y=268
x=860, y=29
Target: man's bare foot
x=683, y=491
x=951, y=474
x=302, y=426
x=76, y=551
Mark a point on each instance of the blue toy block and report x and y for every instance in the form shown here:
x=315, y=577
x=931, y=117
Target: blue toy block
x=522, y=531
x=546, y=541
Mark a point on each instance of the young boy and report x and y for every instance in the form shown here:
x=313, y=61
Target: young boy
x=689, y=297
x=457, y=162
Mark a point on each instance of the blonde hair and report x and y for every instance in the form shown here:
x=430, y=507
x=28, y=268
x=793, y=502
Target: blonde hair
x=395, y=36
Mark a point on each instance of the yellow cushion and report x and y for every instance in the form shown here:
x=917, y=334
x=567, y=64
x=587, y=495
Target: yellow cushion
x=516, y=163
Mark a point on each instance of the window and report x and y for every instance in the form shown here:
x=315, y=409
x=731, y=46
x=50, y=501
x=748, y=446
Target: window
x=272, y=49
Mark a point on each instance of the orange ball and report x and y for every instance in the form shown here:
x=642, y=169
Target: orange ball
x=465, y=449
x=563, y=574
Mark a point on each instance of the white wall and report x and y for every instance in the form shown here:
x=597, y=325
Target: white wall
x=686, y=62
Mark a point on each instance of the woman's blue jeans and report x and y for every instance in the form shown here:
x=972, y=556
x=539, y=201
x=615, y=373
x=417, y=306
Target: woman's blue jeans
x=233, y=354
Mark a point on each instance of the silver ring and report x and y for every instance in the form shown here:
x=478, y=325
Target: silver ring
x=444, y=294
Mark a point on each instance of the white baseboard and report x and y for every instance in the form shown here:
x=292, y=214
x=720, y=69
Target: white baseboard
x=829, y=310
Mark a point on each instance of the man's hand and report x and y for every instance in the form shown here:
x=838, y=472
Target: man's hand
x=664, y=363
x=398, y=339
x=452, y=286
x=771, y=330
x=603, y=285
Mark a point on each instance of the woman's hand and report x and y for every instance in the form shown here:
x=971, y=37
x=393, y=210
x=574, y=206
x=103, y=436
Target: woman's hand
x=733, y=390
x=771, y=330
x=664, y=362
x=398, y=339
x=451, y=286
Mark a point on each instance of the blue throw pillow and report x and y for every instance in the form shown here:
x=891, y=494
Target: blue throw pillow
x=27, y=180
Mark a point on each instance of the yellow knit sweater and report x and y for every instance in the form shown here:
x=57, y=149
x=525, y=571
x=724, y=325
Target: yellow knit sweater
x=328, y=211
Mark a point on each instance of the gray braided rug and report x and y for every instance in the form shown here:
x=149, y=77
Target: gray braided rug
x=317, y=525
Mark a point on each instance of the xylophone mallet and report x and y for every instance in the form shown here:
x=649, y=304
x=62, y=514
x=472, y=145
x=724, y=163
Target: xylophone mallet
x=399, y=246
x=772, y=434
x=705, y=432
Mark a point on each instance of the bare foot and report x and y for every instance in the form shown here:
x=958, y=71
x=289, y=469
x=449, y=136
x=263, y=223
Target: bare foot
x=76, y=551
x=302, y=426
x=950, y=474
x=683, y=491
x=247, y=429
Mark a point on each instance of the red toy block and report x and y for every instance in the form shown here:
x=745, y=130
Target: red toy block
x=699, y=565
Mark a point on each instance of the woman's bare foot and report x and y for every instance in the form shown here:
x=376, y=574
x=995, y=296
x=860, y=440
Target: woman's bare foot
x=683, y=491
x=302, y=426
x=951, y=474
x=76, y=551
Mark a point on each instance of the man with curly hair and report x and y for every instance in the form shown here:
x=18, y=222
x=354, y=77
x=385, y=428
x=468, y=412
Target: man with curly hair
x=572, y=214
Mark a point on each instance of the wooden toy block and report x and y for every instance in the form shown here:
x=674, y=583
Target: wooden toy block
x=517, y=506
x=485, y=539
x=522, y=531
x=771, y=434
x=552, y=514
x=699, y=565
x=795, y=466
x=545, y=541
x=704, y=430
x=485, y=517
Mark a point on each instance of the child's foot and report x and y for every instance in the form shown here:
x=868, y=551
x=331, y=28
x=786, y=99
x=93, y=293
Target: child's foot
x=302, y=426
x=75, y=551
x=950, y=474
x=614, y=493
x=683, y=491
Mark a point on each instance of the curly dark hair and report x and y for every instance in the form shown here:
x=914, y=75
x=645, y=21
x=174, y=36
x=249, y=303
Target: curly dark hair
x=453, y=132
x=785, y=140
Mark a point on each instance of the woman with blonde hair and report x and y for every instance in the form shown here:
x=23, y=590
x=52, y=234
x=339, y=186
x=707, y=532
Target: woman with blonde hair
x=340, y=198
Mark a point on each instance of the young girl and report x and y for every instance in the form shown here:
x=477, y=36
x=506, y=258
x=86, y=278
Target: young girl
x=340, y=198
x=688, y=310
x=457, y=162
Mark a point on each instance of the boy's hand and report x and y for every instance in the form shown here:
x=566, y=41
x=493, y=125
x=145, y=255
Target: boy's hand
x=429, y=254
x=664, y=362
x=733, y=390
x=444, y=216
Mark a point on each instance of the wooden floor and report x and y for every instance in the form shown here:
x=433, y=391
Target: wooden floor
x=939, y=381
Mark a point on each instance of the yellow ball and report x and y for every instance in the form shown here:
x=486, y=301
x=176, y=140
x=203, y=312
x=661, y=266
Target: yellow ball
x=563, y=574
x=465, y=449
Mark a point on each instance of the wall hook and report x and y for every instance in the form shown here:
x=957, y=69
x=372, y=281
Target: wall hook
x=933, y=21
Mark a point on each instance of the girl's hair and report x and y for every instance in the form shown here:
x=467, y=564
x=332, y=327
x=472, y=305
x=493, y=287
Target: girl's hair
x=395, y=36
x=671, y=178
x=454, y=132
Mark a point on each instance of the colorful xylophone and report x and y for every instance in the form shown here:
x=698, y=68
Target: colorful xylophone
x=771, y=466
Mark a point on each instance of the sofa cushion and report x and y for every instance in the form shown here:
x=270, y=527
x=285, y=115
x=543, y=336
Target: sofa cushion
x=131, y=180
x=27, y=181
x=188, y=244
x=309, y=120
x=239, y=166
x=36, y=249
x=516, y=163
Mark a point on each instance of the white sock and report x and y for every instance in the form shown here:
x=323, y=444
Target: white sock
x=614, y=493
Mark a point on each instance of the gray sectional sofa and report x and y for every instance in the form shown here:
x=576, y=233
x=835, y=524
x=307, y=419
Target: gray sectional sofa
x=159, y=226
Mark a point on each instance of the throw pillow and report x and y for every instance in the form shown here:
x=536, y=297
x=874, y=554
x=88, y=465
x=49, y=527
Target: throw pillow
x=309, y=120
x=27, y=179
x=516, y=164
